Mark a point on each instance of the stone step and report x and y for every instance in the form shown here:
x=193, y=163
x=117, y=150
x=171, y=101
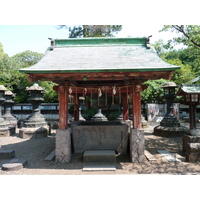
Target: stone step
x=7, y=154
x=50, y=156
x=99, y=160
x=99, y=156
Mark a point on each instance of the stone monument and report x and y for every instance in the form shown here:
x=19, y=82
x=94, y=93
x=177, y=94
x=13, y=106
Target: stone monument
x=35, y=125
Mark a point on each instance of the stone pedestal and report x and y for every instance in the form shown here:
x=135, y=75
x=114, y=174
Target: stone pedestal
x=63, y=145
x=169, y=127
x=33, y=133
x=137, y=145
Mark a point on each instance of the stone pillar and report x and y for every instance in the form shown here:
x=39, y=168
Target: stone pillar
x=63, y=145
x=137, y=145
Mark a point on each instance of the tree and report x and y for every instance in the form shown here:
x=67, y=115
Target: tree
x=92, y=30
x=188, y=35
x=10, y=76
x=154, y=92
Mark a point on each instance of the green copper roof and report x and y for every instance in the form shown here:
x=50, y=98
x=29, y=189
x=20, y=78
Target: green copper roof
x=103, y=41
x=189, y=89
x=100, y=55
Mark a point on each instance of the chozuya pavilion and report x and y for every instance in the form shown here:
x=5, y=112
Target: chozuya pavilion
x=107, y=67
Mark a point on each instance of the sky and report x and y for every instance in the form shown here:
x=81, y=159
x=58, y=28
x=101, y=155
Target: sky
x=19, y=38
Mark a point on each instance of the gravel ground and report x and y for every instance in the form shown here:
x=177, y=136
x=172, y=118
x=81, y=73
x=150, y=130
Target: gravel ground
x=35, y=150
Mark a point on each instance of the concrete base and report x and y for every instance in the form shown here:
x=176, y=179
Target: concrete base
x=6, y=132
x=63, y=146
x=33, y=133
x=137, y=145
x=170, y=131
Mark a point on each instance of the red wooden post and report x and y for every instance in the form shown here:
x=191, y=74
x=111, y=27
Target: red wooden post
x=63, y=106
x=125, y=107
x=76, y=108
x=136, y=107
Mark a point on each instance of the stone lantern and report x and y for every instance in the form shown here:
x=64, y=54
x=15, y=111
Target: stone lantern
x=5, y=130
x=8, y=105
x=169, y=125
x=35, y=125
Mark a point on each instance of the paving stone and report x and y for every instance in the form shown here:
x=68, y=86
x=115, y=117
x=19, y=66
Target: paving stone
x=168, y=156
x=14, y=164
x=149, y=156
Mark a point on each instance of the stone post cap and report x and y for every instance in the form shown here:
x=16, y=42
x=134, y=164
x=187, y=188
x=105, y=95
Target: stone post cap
x=3, y=88
x=35, y=86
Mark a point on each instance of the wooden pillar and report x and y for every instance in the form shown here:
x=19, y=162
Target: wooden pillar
x=63, y=106
x=76, y=108
x=125, y=107
x=136, y=106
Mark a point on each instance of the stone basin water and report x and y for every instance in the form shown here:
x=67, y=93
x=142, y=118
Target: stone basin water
x=99, y=135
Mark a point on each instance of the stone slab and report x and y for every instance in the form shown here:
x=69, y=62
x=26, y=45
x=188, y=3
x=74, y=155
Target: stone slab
x=7, y=154
x=93, y=167
x=168, y=156
x=149, y=156
x=14, y=164
x=50, y=156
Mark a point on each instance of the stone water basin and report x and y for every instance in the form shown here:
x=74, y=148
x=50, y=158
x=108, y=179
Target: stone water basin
x=103, y=135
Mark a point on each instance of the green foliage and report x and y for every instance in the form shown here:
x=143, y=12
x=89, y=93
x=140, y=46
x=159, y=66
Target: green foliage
x=89, y=113
x=16, y=81
x=154, y=92
x=92, y=30
x=50, y=96
x=188, y=35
